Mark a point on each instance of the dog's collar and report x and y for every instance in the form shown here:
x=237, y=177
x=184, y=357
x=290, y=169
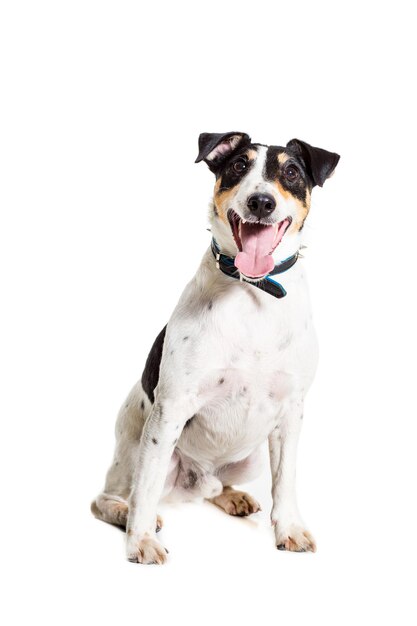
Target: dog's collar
x=227, y=266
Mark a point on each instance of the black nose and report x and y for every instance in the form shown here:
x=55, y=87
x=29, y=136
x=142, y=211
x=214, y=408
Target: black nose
x=261, y=204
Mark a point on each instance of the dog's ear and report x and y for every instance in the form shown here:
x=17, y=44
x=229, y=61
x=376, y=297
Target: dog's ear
x=320, y=163
x=214, y=148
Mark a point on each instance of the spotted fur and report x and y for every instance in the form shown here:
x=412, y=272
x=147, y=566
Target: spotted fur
x=230, y=370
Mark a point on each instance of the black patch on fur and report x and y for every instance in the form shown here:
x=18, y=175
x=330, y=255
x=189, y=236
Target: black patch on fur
x=274, y=170
x=318, y=163
x=155, y=441
x=142, y=405
x=221, y=381
x=230, y=178
x=210, y=305
x=207, y=142
x=192, y=478
x=150, y=374
x=185, y=338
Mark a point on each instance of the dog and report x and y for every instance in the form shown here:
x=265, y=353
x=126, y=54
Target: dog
x=233, y=365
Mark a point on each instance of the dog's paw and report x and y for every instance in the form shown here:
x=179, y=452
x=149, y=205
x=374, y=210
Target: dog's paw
x=241, y=504
x=238, y=503
x=294, y=538
x=145, y=550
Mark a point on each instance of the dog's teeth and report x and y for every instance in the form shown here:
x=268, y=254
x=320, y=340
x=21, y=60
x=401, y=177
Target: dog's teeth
x=243, y=221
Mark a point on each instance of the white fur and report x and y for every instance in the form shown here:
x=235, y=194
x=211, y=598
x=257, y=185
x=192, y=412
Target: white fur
x=242, y=361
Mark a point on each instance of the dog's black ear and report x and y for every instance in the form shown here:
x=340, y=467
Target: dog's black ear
x=320, y=163
x=215, y=147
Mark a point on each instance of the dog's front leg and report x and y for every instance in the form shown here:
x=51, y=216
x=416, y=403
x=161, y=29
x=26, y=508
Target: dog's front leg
x=290, y=532
x=159, y=436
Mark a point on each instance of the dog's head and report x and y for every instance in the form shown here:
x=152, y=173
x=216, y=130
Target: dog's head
x=262, y=194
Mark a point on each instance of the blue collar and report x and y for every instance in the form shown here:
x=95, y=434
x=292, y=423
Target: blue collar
x=227, y=266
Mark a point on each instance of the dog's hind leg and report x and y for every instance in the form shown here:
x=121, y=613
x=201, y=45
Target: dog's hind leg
x=110, y=509
x=111, y=505
x=230, y=500
x=114, y=510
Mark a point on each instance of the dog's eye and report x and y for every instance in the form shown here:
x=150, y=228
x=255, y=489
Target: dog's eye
x=291, y=173
x=239, y=165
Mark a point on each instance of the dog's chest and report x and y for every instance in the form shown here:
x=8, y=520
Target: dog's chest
x=245, y=360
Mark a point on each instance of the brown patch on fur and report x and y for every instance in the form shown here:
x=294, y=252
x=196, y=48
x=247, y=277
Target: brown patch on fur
x=283, y=158
x=148, y=550
x=110, y=511
x=236, y=503
x=116, y=513
x=222, y=200
x=303, y=543
x=302, y=208
x=297, y=540
x=302, y=212
x=283, y=192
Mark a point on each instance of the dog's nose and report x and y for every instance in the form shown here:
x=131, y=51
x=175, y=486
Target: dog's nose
x=261, y=204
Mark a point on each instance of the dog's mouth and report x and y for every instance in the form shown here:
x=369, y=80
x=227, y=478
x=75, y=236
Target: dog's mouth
x=256, y=243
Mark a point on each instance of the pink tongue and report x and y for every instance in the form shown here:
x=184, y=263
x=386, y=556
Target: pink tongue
x=257, y=243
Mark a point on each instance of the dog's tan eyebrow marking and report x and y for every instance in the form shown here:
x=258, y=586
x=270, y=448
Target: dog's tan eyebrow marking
x=283, y=158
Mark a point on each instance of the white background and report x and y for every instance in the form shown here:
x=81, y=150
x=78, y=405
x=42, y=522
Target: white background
x=103, y=218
